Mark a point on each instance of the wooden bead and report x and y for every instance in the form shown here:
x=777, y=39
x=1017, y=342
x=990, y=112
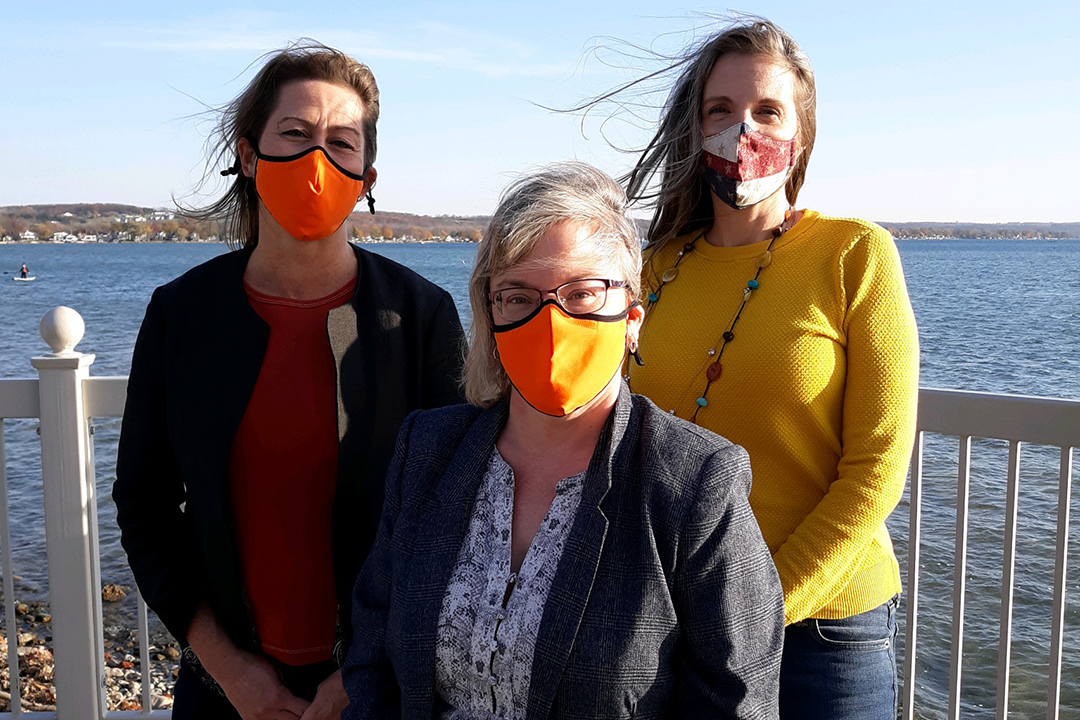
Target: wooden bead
x=713, y=371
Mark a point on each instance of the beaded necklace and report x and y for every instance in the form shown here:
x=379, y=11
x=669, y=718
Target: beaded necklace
x=712, y=372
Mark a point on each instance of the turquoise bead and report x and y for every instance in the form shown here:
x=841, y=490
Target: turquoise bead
x=702, y=402
x=653, y=297
x=752, y=284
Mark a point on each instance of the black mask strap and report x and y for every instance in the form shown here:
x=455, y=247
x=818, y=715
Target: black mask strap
x=233, y=170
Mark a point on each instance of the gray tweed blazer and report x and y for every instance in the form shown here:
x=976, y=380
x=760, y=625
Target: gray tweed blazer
x=665, y=604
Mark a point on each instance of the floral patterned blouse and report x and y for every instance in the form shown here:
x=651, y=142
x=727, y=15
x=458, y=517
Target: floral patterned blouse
x=490, y=617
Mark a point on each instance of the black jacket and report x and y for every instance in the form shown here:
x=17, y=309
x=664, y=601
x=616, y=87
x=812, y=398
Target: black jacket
x=398, y=346
x=665, y=603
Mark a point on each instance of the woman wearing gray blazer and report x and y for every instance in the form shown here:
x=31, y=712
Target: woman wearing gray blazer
x=561, y=548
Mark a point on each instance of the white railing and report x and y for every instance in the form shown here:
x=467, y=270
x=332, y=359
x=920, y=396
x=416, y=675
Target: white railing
x=64, y=397
x=1019, y=420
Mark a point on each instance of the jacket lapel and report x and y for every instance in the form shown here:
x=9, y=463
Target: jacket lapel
x=355, y=365
x=574, y=578
x=219, y=372
x=231, y=344
x=444, y=516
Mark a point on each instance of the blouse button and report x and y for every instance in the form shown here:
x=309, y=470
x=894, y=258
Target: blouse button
x=494, y=645
x=500, y=616
x=492, y=680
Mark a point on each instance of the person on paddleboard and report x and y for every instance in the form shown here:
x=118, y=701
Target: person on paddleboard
x=23, y=272
x=266, y=390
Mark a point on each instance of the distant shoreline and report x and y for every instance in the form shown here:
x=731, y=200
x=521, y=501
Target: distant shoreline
x=103, y=222
x=410, y=241
x=358, y=241
x=980, y=239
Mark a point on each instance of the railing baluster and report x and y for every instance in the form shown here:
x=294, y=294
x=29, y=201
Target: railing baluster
x=9, y=586
x=963, y=482
x=95, y=553
x=1061, y=564
x=1008, y=571
x=144, y=653
x=914, y=540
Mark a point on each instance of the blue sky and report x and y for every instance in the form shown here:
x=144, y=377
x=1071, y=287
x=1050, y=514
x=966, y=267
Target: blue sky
x=940, y=111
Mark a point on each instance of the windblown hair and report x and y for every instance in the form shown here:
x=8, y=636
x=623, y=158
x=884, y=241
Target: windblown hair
x=237, y=211
x=529, y=207
x=682, y=202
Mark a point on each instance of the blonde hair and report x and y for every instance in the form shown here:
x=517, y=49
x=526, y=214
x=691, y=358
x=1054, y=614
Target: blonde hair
x=529, y=207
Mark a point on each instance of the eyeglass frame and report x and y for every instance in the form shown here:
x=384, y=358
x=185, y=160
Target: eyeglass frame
x=554, y=292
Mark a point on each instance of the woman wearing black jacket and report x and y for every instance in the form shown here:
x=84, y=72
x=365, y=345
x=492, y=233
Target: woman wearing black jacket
x=266, y=389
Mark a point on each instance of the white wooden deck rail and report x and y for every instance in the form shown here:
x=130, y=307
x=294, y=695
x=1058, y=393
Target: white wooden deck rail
x=65, y=397
x=1019, y=420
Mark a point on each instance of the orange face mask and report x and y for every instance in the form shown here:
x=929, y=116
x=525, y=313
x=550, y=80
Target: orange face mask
x=559, y=362
x=309, y=194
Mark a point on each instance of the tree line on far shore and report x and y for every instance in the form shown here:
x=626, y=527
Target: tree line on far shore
x=116, y=222
x=120, y=223
x=987, y=231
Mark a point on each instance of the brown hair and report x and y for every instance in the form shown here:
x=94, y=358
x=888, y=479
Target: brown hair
x=245, y=117
x=682, y=202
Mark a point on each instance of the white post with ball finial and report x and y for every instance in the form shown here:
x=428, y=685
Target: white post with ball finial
x=70, y=519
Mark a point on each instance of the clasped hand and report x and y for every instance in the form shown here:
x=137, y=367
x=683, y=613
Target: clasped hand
x=253, y=687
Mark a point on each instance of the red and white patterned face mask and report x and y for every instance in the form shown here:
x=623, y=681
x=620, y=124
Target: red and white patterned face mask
x=743, y=166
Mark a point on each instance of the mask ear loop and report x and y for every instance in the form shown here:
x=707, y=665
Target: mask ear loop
x=233, y=170
x=371, y=202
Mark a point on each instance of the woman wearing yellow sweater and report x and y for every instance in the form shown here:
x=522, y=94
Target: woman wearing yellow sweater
x=790, y=333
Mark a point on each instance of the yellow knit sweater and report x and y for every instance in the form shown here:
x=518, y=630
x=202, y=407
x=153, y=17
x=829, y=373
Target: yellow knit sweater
x=819, y=385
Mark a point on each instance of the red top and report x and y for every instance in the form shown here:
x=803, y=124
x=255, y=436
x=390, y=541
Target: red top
x=283, y=473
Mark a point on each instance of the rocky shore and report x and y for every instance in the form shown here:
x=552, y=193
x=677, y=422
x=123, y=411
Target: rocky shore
x=123, y=668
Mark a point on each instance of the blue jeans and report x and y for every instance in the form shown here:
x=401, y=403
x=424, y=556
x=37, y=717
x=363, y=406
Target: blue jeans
x=841, y=669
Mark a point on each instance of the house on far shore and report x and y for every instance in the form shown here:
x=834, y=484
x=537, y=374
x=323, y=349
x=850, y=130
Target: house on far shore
x=28, y=236
x=162, y=215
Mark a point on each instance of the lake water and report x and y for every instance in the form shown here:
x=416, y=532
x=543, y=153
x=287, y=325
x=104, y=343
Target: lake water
x=996, y=316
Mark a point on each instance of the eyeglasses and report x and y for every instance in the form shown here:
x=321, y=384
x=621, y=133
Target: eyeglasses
x=577, y=297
